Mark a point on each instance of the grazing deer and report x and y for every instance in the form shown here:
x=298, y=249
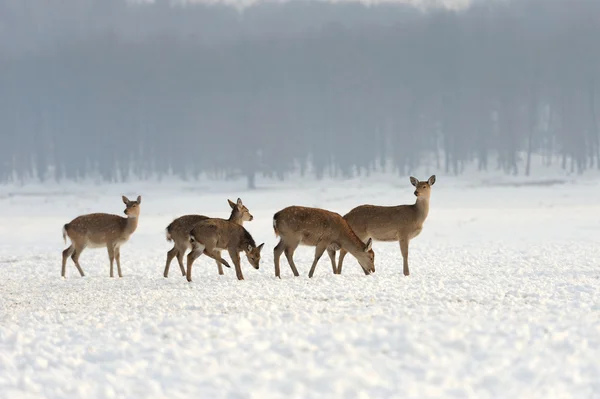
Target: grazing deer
x=322, y=229
x=101, y=230
x=179, y=232
x=392, y=223
x=212, y=236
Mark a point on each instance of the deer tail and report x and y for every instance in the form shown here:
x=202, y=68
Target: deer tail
x=64, y=232
x=275, y=224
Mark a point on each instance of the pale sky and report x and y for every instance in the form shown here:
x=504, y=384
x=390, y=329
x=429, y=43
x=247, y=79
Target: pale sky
x=453, y=4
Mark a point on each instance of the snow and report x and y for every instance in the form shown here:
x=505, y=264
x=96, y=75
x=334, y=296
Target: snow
x=503, y=299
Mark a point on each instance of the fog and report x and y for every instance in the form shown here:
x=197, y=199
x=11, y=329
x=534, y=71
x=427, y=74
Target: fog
x=116, y=90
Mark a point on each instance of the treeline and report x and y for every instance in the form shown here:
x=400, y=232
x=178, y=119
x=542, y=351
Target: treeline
x=119, y=90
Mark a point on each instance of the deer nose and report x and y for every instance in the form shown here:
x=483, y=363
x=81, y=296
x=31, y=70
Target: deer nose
x=251, y=217
x=125, y=211
x=416, y=193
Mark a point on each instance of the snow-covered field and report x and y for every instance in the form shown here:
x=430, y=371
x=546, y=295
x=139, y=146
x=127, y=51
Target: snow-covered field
x=503, y=299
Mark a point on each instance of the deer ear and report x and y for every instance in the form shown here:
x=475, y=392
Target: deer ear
x=249, y=248
x=369, y=244
x=239, y=202
x=125, y=200
x=431, y=180
x=139, y=199
x=414, y=181
x=231, y=204
x=260, y=247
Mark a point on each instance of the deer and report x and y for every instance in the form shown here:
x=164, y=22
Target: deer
x=399, y=223
x=212, y=236
x=101, y=230
x=321, y=229
x=179, y=232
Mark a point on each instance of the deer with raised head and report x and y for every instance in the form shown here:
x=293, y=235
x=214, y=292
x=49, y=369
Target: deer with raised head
x=212, y=236
x=179, y=232
x=101, y=230
x=321, y=229
x=399, y=223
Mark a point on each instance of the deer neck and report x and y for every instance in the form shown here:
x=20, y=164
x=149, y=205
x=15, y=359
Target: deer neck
x=247, y=240
x=422, y=207
x=236, y=218
x=352, y=244
x=131, y=224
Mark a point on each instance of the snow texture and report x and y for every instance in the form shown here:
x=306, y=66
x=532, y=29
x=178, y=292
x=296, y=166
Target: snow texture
x=503, y=299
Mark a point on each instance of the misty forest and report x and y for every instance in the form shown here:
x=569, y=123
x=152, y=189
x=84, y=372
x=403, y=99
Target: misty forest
x=116, y=90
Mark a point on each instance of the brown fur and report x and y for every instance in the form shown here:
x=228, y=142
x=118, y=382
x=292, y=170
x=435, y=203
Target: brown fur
x=392, y=223
x=179, y=232
x=212, y=236
x=319, y=228
x=100, y=230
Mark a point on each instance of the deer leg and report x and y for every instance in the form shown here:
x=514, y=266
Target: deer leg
x=277, y=251
x=216, y=255
x=289, y=254
x=319, y=250
x=341, y=260
x=111, y=257
x=65, y=255
x=75, y=258
x=170, y=255
x=180, y=253
x=235, y=257
x=118, y=259
x=225, y=263
x=219, y=267
x=404, y=250
x=331, y=253
x=197, y=250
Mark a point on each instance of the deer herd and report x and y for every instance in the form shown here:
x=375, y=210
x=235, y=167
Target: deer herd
x=325, y=230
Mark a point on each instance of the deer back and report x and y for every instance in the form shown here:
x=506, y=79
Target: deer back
x=384, y=223
x=98, y=229
x=391, y=223
x=221, y=234
x=179, y=229
x=313, y=225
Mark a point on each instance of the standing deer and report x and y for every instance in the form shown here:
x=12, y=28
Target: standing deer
x=179, y=232
x=212, y=236
x=319, y=228
x=399, y=223
x=101, y=230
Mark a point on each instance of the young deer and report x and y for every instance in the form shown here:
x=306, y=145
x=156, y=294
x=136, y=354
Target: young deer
x=392, y=223
x=101, y=230
x=179, y=232
x=212, y=236
x=322, y=229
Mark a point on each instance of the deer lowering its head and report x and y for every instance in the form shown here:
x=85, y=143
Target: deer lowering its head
x=101, y=230
x=392, y=223
x=179, y=232
x=212, y=236
x=319, y=228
